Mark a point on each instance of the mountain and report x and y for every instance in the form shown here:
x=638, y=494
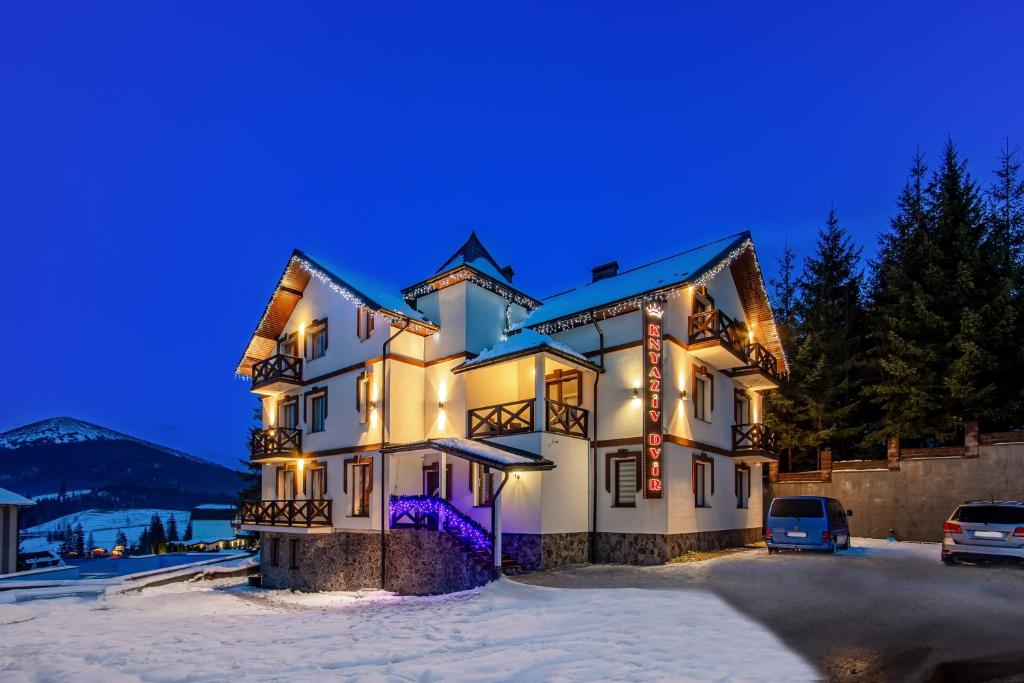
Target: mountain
x=67, y=454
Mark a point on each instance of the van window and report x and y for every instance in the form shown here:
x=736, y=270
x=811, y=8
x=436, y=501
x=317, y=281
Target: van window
x=796, y=507
x=835, y=510
x=990, y=514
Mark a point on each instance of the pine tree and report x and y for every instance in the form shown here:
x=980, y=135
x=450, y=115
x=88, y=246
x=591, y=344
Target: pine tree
x=90, y=545
x=250, y=473
x=157, y=535
x=121, y=539
x=79, y=539
x=780, y=405
x=188, y=530
x=172, y=529
x=66, y=543
x=144, y=546
x=830, y=321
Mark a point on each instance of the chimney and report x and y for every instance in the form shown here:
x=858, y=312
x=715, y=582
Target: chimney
x=604, y=270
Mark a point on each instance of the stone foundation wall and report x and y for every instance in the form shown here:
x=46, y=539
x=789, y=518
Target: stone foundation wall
x=425, y=562
x=537, y=552
x=340, y=561
x=648, y=549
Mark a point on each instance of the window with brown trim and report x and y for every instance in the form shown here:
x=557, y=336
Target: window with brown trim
x=360, y=480
x=294, y=552
x=432, y=480
x=316, y=409
x=287, y=486
x=703, y=480
x=741, y=407
x=702, y=301
x=317, y=482
x=288, y=413
x=742, y=486
x=364, y=323
x=483, y=484
x=364, y=395
x=703, y=390
x=564, y=386
x=316, y=340
x=624, y=471
x=288, y=345
x=275, y=552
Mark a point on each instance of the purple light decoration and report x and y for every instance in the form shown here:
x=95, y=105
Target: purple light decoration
x=455, y=522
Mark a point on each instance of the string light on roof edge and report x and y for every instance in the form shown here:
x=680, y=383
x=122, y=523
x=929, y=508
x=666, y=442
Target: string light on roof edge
x=464, y=273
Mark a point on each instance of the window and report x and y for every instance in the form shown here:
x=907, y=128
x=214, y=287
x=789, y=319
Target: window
x=835, y=511
x=360, y=479
x=364, y=396
x=293, y=552
x=741, y=408
x=564, y=386
x=702, y=301
x=989, y=514
x=289, y=344
x=806, y=508
x=275, y=551
x=742, y=486
x=625, y=485
x=288, y=413
x=317, y=483
x=286, y=485
x=364, y=323
x=317, y=410
x=703, y=476
x=703, y=393
x=316, y=340
x=483, y=484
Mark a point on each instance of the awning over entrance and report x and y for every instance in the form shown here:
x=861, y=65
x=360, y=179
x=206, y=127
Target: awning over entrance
x=499, y=456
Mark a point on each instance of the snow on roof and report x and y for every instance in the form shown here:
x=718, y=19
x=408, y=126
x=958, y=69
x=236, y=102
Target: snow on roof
x=502, y=456
x=12, y=498
x=665, y=272
x=474, y=254
x=215, y=506
x=369, y=290
x=524, y=340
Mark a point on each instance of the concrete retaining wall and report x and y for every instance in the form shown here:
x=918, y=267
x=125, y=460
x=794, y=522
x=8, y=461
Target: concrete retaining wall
x=916, y=499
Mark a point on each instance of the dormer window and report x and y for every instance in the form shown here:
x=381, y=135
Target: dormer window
x=364, y=323
x=316, y=340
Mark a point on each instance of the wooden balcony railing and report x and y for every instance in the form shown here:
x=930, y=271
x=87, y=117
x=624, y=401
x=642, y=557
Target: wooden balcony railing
x=755, y=437
x=713, y=324
x=276, y=441
x=565, y=418
x=277, y=368
x=759, y=357
x=514, y=417
x=304, y=513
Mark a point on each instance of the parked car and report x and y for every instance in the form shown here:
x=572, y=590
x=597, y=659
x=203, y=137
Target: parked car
x=984, y=530
x=807, y=523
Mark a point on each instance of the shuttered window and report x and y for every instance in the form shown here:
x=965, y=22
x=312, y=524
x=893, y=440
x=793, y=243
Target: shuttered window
x=700, y=483
x=625, y=482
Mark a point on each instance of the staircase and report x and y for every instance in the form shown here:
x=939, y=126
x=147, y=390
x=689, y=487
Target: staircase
x=458, y=530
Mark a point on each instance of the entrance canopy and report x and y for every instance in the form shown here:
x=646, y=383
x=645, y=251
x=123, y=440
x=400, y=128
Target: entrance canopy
x=498, y=456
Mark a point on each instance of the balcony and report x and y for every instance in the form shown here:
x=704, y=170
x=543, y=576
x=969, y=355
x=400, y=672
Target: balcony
x=754, y=438
x=293, y=513
x=276, y=442
x=514, y=417
x=717, y=339
x=276, y=374
x=761, y=370
x=565, y=418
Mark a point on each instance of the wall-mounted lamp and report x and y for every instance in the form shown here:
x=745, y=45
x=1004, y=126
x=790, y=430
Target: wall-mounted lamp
x=682, y=395
x=440, y=405
x=517, y=475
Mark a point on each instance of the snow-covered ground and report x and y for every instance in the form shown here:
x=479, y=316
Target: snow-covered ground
x=507, y=631
x=103, y=524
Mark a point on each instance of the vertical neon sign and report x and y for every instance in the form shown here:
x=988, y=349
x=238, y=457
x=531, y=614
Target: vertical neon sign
x=653, y=433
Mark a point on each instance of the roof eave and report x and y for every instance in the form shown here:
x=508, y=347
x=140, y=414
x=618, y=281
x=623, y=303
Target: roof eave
x=523, y=353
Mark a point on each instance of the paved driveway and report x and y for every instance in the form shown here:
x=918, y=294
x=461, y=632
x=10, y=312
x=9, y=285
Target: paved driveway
x=881, y=612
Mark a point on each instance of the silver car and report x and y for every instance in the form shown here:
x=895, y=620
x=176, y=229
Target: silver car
x=984, y=530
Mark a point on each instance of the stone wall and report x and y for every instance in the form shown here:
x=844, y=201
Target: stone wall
x=648, y=549
x=327, y=562
x=426, y=562
x=915, y=499
x=537, y=552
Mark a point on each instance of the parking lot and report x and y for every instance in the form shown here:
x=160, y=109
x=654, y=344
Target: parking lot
x=879, y=612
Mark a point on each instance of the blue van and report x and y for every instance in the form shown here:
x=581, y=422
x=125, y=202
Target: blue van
x=807, y=523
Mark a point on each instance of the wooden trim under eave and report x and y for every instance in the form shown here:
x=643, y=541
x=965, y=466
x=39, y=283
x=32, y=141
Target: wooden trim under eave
x=680, y=441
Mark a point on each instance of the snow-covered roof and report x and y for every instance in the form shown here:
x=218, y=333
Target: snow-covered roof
x=474, y=254
x=499, y=456
x=522, y=343
x=215, y=506
x=370, y=291
x=12, y=498
x=672, y=270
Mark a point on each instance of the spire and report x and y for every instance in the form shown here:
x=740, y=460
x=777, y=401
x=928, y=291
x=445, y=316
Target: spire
x=475, y=254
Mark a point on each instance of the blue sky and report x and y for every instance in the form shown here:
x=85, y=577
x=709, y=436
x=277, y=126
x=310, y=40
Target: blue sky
x=158, y=161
